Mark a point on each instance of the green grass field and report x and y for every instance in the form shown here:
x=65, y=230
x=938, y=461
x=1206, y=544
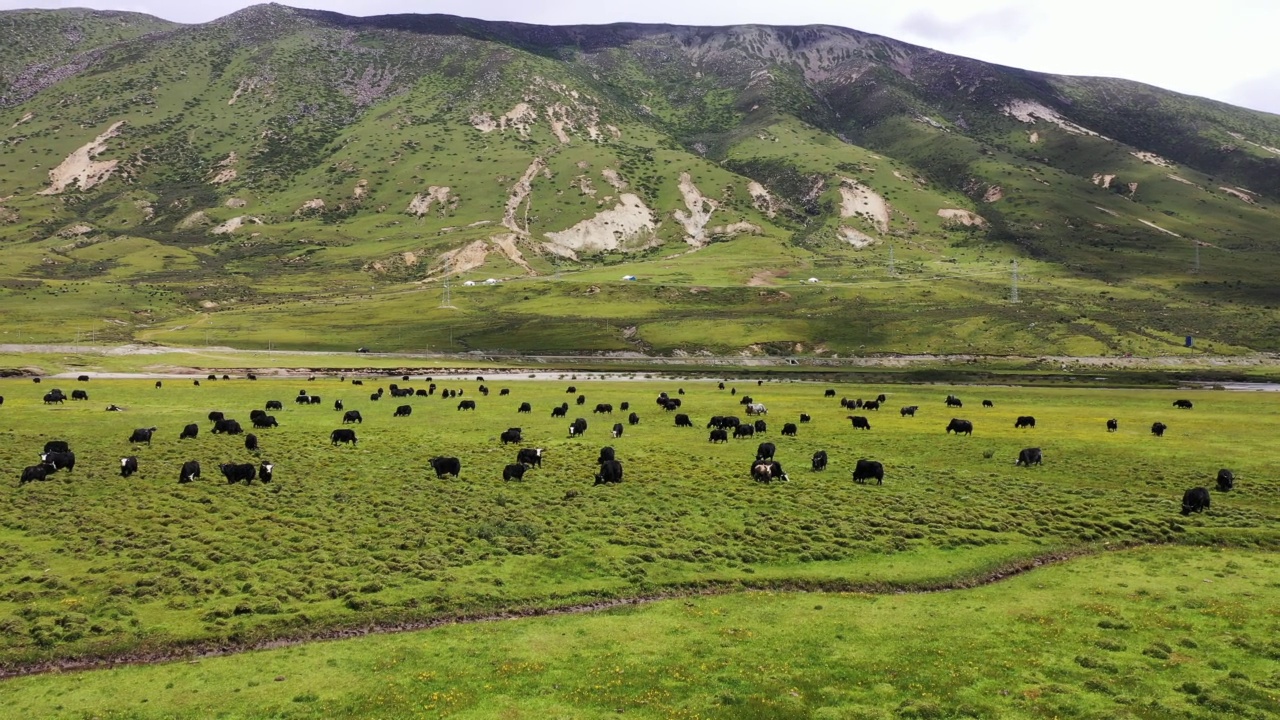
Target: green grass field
x=1183, y=632
x=96, y=565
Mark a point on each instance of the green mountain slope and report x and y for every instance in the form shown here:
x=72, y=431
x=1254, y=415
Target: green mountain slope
x=306, y=179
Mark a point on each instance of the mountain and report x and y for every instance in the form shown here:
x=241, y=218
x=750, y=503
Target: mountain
x=306, y=179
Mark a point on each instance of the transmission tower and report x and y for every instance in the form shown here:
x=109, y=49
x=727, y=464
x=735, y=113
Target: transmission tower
x=1013, y=293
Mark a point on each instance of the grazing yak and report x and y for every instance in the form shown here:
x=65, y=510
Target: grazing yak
x=275, y=405
x=251, y=442
x=79, y=395
x=633, y=419
x=236, y=472
x=765, y=451
x=527, y=408
x=228, y=426
x=988, y=404
x=32, y=473
x=909, y=411
x=789, y=429
x=744, y=431
x=51, y=398
x=190, y=431
x=511, y=436
x=513, y=471
x=313, y=400
x=860, y=422
x=767, y=471
x=445, y=466
x=56, y=461
x=820, y=461
x=143, y=435
x=352, y=416
x=617, y=430
x=529, y=456
x=804, y=417
x=1029, y=456
x=1113, y=425
x=403, y=411
x=1226, y=480
x=610, y=473
x=953, y=401
x=719, y=435
x=577, y=427
x=302, y=400
x=1195, y=500
x=190, y=471
x=603, y=408
x=582, y=400
x=624, y=406
x=867, y=469
x=1158, y=429
x=265, y=472
x=760, y=426
x=128, y=466
x=1024, y=421
x=562, y=411
x=265, y=421
x=871, y=405
x=375, y=397
x=255, y=414
x=828, y=393
x=342, y=436
x=503, y=391
x=606, y=454
x=757, y=409
x=337, y=404
x=682, y=420
x=958, y=426
x=1183, y=404
x=467, y=405
x=83, y=378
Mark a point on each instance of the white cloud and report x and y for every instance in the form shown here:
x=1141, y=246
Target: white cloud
x=1259, y=93
x=1009, y=23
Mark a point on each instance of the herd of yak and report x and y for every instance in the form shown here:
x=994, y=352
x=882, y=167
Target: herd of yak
x=57, y=454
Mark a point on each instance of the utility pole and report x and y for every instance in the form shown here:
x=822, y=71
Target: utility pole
x=1013, y=293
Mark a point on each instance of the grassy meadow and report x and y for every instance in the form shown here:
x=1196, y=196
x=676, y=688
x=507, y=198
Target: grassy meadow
x=99, y=566
x=1184, y=632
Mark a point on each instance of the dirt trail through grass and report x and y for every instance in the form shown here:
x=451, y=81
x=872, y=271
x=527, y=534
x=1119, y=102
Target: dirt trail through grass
x=208, y=650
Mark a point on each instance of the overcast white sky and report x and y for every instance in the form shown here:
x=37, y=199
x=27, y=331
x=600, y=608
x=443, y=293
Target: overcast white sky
x=1224, y=50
